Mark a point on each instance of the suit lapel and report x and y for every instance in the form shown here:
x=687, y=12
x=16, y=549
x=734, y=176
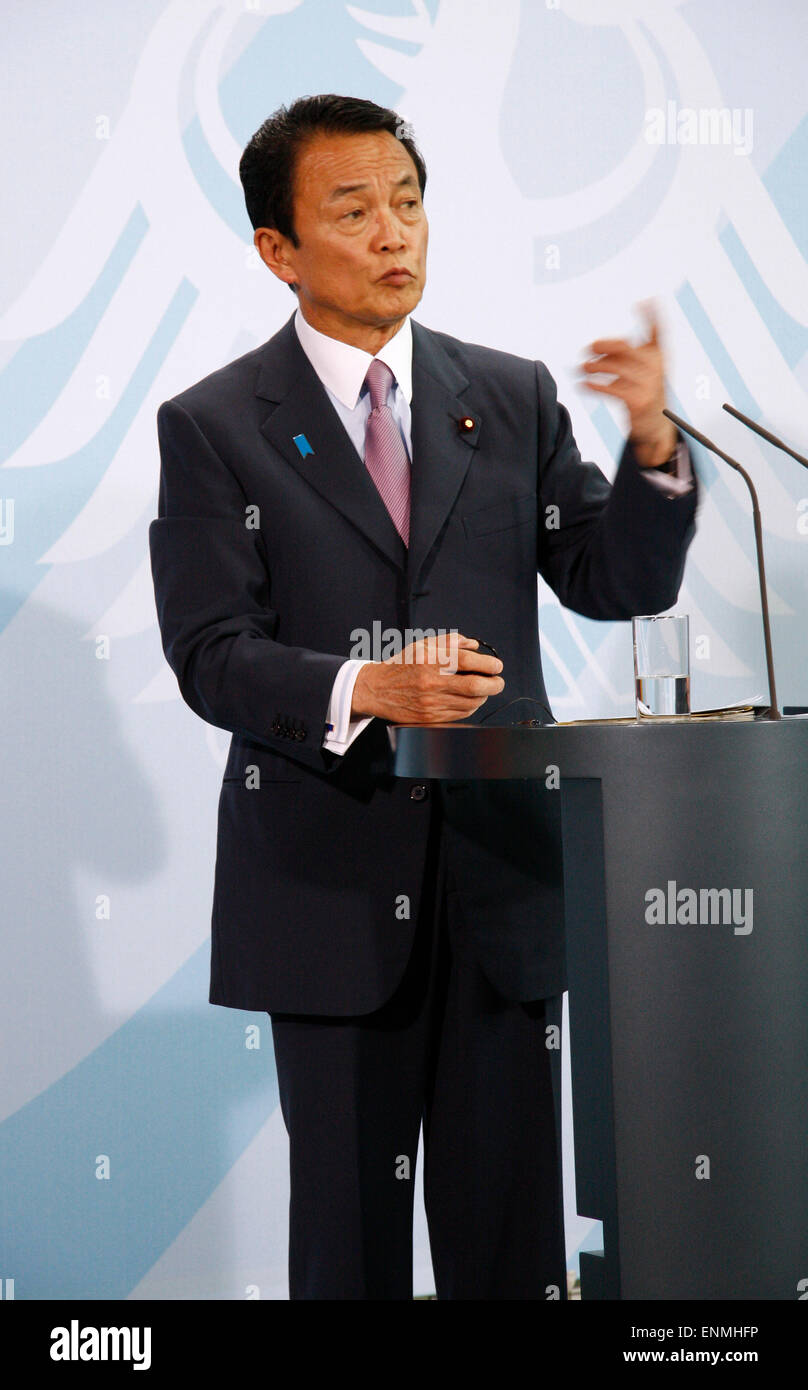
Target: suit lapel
x=334, y=468
x=441, y=451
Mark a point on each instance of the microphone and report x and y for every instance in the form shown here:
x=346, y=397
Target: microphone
x=773, y=712
x=765, y=434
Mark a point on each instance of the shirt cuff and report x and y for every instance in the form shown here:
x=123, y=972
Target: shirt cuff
x=340, y=728
x=674, y=485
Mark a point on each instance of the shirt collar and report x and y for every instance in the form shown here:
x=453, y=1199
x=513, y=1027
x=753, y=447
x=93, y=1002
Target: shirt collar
x=342, y=367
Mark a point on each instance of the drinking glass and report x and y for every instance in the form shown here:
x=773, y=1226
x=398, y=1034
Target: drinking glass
x=661, y=664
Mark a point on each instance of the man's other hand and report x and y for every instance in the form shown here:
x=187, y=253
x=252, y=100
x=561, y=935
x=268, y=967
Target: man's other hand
x=434, y=680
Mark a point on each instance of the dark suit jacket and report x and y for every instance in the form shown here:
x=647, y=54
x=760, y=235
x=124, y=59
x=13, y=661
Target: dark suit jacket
x=256, y=620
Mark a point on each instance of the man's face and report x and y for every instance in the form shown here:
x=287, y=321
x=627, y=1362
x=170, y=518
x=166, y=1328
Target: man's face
x=358, y=215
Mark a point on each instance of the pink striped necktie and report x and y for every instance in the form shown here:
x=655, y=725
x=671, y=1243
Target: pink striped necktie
x=385, y=452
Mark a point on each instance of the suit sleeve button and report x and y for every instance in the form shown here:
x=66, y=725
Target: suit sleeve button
x=419, y=793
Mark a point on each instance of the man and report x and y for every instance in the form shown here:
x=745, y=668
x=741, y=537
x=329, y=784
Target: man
x=361, y=473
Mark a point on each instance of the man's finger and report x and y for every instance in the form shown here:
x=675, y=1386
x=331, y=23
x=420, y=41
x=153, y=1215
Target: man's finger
x=627, y=369
x=482, y=662
x=612, y=388
x=648, y=309
x=605, y=366
x=618, y=346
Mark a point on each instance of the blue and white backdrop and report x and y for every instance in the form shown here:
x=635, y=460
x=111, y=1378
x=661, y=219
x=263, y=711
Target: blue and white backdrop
x=582, y=155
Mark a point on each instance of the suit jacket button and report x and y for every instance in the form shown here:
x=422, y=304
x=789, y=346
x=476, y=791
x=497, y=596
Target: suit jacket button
x=419, y=793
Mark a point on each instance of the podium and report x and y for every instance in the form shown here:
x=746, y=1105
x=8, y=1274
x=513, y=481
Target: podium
x=685, y=865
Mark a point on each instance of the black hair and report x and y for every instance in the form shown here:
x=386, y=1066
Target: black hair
x=267, y=166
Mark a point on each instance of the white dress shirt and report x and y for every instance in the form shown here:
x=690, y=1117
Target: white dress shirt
x=342, y=369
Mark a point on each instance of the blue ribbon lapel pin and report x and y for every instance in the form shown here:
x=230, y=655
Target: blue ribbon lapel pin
x=303, y=445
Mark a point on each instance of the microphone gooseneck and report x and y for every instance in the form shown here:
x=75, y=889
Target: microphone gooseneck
x=764, y=434
x=773, y=712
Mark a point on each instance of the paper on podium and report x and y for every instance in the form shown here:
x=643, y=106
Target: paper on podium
x=743, y=710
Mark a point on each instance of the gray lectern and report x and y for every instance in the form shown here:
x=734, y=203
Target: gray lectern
x=686, y=905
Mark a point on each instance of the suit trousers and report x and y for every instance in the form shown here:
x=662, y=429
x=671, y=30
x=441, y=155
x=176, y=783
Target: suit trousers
x=448, y=1051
